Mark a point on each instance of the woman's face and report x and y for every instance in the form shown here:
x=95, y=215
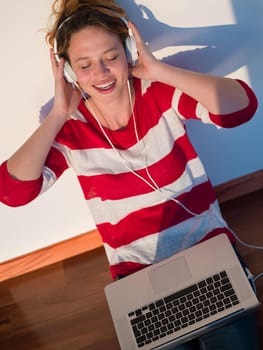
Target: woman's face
x=99, y=61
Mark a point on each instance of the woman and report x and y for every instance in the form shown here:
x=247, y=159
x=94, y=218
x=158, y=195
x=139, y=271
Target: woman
x=121, y=127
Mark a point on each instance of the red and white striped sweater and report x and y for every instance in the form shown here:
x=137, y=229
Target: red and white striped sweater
x=139, y=225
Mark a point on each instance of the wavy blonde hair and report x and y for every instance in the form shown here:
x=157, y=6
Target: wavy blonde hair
x=70, y=16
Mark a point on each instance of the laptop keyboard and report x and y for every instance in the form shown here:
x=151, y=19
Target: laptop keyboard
x=186, y=307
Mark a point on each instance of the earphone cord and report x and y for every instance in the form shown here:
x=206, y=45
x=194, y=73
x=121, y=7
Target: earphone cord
x=155, y=187
x=250, y=246
x=117, y=151
x=152, y=183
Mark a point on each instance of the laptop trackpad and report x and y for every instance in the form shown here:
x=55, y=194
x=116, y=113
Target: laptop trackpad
x=173, y=273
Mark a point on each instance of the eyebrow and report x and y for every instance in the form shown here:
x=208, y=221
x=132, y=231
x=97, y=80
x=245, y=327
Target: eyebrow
x=105, y=52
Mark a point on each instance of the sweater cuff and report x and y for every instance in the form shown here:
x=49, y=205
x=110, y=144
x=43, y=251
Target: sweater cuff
x=240, y=117
x=15, y=192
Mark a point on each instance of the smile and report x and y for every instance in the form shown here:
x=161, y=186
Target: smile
x=106, y=86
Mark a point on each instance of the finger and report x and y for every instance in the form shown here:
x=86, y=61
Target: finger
x=54, y=63
x=52, y=57
x=57, y=64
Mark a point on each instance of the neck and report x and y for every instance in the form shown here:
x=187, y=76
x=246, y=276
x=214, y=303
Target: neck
x=115, y=114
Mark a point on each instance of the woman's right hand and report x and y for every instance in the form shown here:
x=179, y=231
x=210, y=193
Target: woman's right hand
x=67, y=97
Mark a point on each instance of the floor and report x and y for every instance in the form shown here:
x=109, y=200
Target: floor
x=62, y=307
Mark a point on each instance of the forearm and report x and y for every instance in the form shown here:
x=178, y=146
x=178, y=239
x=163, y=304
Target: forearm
x=218, y=94
x=28, y=161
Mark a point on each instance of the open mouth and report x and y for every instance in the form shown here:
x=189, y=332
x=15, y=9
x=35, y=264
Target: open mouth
x=106, y=87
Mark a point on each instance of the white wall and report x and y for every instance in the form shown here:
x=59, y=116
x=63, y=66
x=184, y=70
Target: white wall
x=222, y=37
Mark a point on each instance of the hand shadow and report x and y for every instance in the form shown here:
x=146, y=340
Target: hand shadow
x=219, y=50
x=225, y=48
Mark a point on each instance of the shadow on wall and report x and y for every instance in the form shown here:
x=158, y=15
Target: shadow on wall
x=226, y=47
x=224, y=50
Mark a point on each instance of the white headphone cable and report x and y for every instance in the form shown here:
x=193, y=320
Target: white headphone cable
x=154, y=186
x=124, y=161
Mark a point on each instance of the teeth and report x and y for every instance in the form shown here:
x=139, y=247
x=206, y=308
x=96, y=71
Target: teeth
x=105, y=86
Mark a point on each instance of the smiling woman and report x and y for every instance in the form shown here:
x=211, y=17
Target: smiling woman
x=121, y=126
x=95, y=57
x=126, y=138
x=99, y=61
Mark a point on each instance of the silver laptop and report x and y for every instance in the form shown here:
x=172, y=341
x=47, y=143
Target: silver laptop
x=181, y=297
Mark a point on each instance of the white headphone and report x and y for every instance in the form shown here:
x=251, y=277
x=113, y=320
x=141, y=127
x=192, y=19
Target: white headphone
x=130, y=47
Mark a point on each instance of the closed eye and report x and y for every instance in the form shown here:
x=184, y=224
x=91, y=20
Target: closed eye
x=86, y=66
x=112, y=58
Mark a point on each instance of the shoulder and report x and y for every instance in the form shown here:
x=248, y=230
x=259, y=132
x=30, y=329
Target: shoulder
x=154, y=88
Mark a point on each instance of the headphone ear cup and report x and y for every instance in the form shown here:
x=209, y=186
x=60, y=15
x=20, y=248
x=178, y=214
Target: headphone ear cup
x=69, y=74
x=131, y=50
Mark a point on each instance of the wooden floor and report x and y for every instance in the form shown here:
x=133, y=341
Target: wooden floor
x=62, y=307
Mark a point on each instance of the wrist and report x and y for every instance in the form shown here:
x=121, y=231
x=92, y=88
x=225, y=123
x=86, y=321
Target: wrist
x=56, y=119
x=158, y=70
x=58, y=115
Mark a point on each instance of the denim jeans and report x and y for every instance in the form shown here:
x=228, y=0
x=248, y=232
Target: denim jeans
x=240, y=334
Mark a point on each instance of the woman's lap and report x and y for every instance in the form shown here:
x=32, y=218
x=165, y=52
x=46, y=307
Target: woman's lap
x=240, y=334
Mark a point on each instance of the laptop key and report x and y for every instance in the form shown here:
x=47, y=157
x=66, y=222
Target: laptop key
x=181, y=309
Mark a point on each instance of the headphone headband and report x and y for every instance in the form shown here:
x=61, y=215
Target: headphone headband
x=130, y=47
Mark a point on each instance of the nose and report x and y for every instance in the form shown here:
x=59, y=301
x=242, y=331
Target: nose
x=101, y=69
